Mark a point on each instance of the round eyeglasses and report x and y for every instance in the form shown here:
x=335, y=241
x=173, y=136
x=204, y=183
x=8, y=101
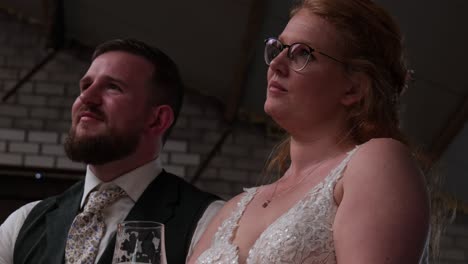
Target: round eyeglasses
x=299, y=54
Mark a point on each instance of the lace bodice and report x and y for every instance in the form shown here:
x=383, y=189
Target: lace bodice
x=303, y=234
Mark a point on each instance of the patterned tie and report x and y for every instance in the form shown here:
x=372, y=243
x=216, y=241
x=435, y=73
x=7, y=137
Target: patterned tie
x=88, y=227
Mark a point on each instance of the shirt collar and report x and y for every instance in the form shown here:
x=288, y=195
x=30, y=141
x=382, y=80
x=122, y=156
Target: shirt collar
x=133, y=182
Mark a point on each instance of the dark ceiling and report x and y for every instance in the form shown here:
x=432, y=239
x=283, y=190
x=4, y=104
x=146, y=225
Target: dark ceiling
x=218, y=46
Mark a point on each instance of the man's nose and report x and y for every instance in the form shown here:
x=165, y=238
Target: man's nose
x=91, y=95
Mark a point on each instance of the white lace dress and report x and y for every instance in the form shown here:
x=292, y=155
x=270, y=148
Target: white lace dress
x=303, y=234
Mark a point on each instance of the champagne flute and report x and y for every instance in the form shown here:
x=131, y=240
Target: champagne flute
x=139, y=242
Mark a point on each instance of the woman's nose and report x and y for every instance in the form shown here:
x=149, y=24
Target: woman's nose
x=280, y=64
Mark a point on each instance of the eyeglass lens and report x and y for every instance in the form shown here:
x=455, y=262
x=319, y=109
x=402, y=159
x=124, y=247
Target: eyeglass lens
x=299, y=54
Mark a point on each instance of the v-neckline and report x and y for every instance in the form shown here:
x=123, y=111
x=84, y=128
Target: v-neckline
x=284, y=214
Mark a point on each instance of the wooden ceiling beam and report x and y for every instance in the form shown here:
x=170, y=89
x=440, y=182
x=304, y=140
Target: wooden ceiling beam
x=449, y=132
x=254, y=25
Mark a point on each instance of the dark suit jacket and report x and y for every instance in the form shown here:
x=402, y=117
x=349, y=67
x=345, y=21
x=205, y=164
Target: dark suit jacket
x=168, y=199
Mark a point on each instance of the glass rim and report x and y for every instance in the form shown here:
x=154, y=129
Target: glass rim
x=268, y=43
x=268, y=60
x=140, y=224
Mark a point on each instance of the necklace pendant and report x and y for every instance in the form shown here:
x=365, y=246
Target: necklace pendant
x=266, y=203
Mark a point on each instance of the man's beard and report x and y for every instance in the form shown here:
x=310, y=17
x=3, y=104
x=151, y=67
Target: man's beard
x=100, y=149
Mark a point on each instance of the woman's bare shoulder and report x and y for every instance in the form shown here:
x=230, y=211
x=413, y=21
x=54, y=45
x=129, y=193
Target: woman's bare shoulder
x=386, y=146
x=384, y=153
x=385, y=193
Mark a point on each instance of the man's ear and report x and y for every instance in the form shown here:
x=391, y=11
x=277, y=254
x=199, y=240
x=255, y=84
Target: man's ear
x=162, y=118
x=360, y=84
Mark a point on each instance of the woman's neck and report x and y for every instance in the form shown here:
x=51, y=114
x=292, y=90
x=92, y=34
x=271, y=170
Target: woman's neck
x=307, y=153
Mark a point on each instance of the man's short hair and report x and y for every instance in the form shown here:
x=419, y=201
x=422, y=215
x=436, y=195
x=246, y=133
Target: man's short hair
x=167, y=84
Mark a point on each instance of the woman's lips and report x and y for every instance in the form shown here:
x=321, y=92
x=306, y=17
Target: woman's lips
x=276, y=87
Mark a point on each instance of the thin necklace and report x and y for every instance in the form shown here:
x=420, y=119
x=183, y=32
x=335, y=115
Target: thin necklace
x=268, y=201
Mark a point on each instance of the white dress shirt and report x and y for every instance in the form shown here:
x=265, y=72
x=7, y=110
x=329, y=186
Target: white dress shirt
x=133, y=183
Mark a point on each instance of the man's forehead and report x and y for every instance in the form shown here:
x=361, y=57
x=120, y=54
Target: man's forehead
x=120, y=65
x=106, y=77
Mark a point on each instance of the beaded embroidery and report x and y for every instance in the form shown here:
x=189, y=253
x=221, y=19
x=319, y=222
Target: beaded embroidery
x=303, y=234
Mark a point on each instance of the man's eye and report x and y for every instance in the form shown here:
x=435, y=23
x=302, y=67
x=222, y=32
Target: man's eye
x=83, y=87
x=114, y=87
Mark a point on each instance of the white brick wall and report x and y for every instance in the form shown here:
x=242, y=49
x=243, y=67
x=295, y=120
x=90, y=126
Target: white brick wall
x=192, y=110
x=182, y=122
x=238, y=176
x=63, y=137
x=43, y=137
x=7, y=73
x=34, y=122
x=32, y=100
x=10, y=159
x=6, y=122
x=44, y=113
x=221, y=162
x=13, y=110
x=23, y=147
x=27, y=88
x=57, y=101
x=175, y=145
x=65, y=163
x=177, y=170
x=185, y=159
x=164, y=157
x=28, y=123
x=11, y=134
x=39, y=76
x=212, y=136
x=208, y=124
x=45, y=88
x=38, y=161
x=56, y=150
x=235, y=150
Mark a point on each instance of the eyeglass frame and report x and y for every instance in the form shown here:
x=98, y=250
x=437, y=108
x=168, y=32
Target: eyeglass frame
x=311, y=50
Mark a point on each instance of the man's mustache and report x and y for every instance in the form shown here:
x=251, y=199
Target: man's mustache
x=93, y=110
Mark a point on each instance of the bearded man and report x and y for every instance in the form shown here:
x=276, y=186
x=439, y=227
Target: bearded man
x=129, y=99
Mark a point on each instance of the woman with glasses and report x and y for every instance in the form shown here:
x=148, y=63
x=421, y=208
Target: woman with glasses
x=350, y=190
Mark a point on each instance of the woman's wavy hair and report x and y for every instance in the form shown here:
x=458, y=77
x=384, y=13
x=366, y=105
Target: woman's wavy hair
x=371, y=43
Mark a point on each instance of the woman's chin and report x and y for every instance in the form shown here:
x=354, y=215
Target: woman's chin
x=275, y=113
x=269, y=109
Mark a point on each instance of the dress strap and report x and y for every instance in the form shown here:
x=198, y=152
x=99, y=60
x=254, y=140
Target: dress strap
x=337, y=172
x=229, y=226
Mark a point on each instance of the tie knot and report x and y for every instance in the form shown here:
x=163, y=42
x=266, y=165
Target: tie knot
x=103, y=198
